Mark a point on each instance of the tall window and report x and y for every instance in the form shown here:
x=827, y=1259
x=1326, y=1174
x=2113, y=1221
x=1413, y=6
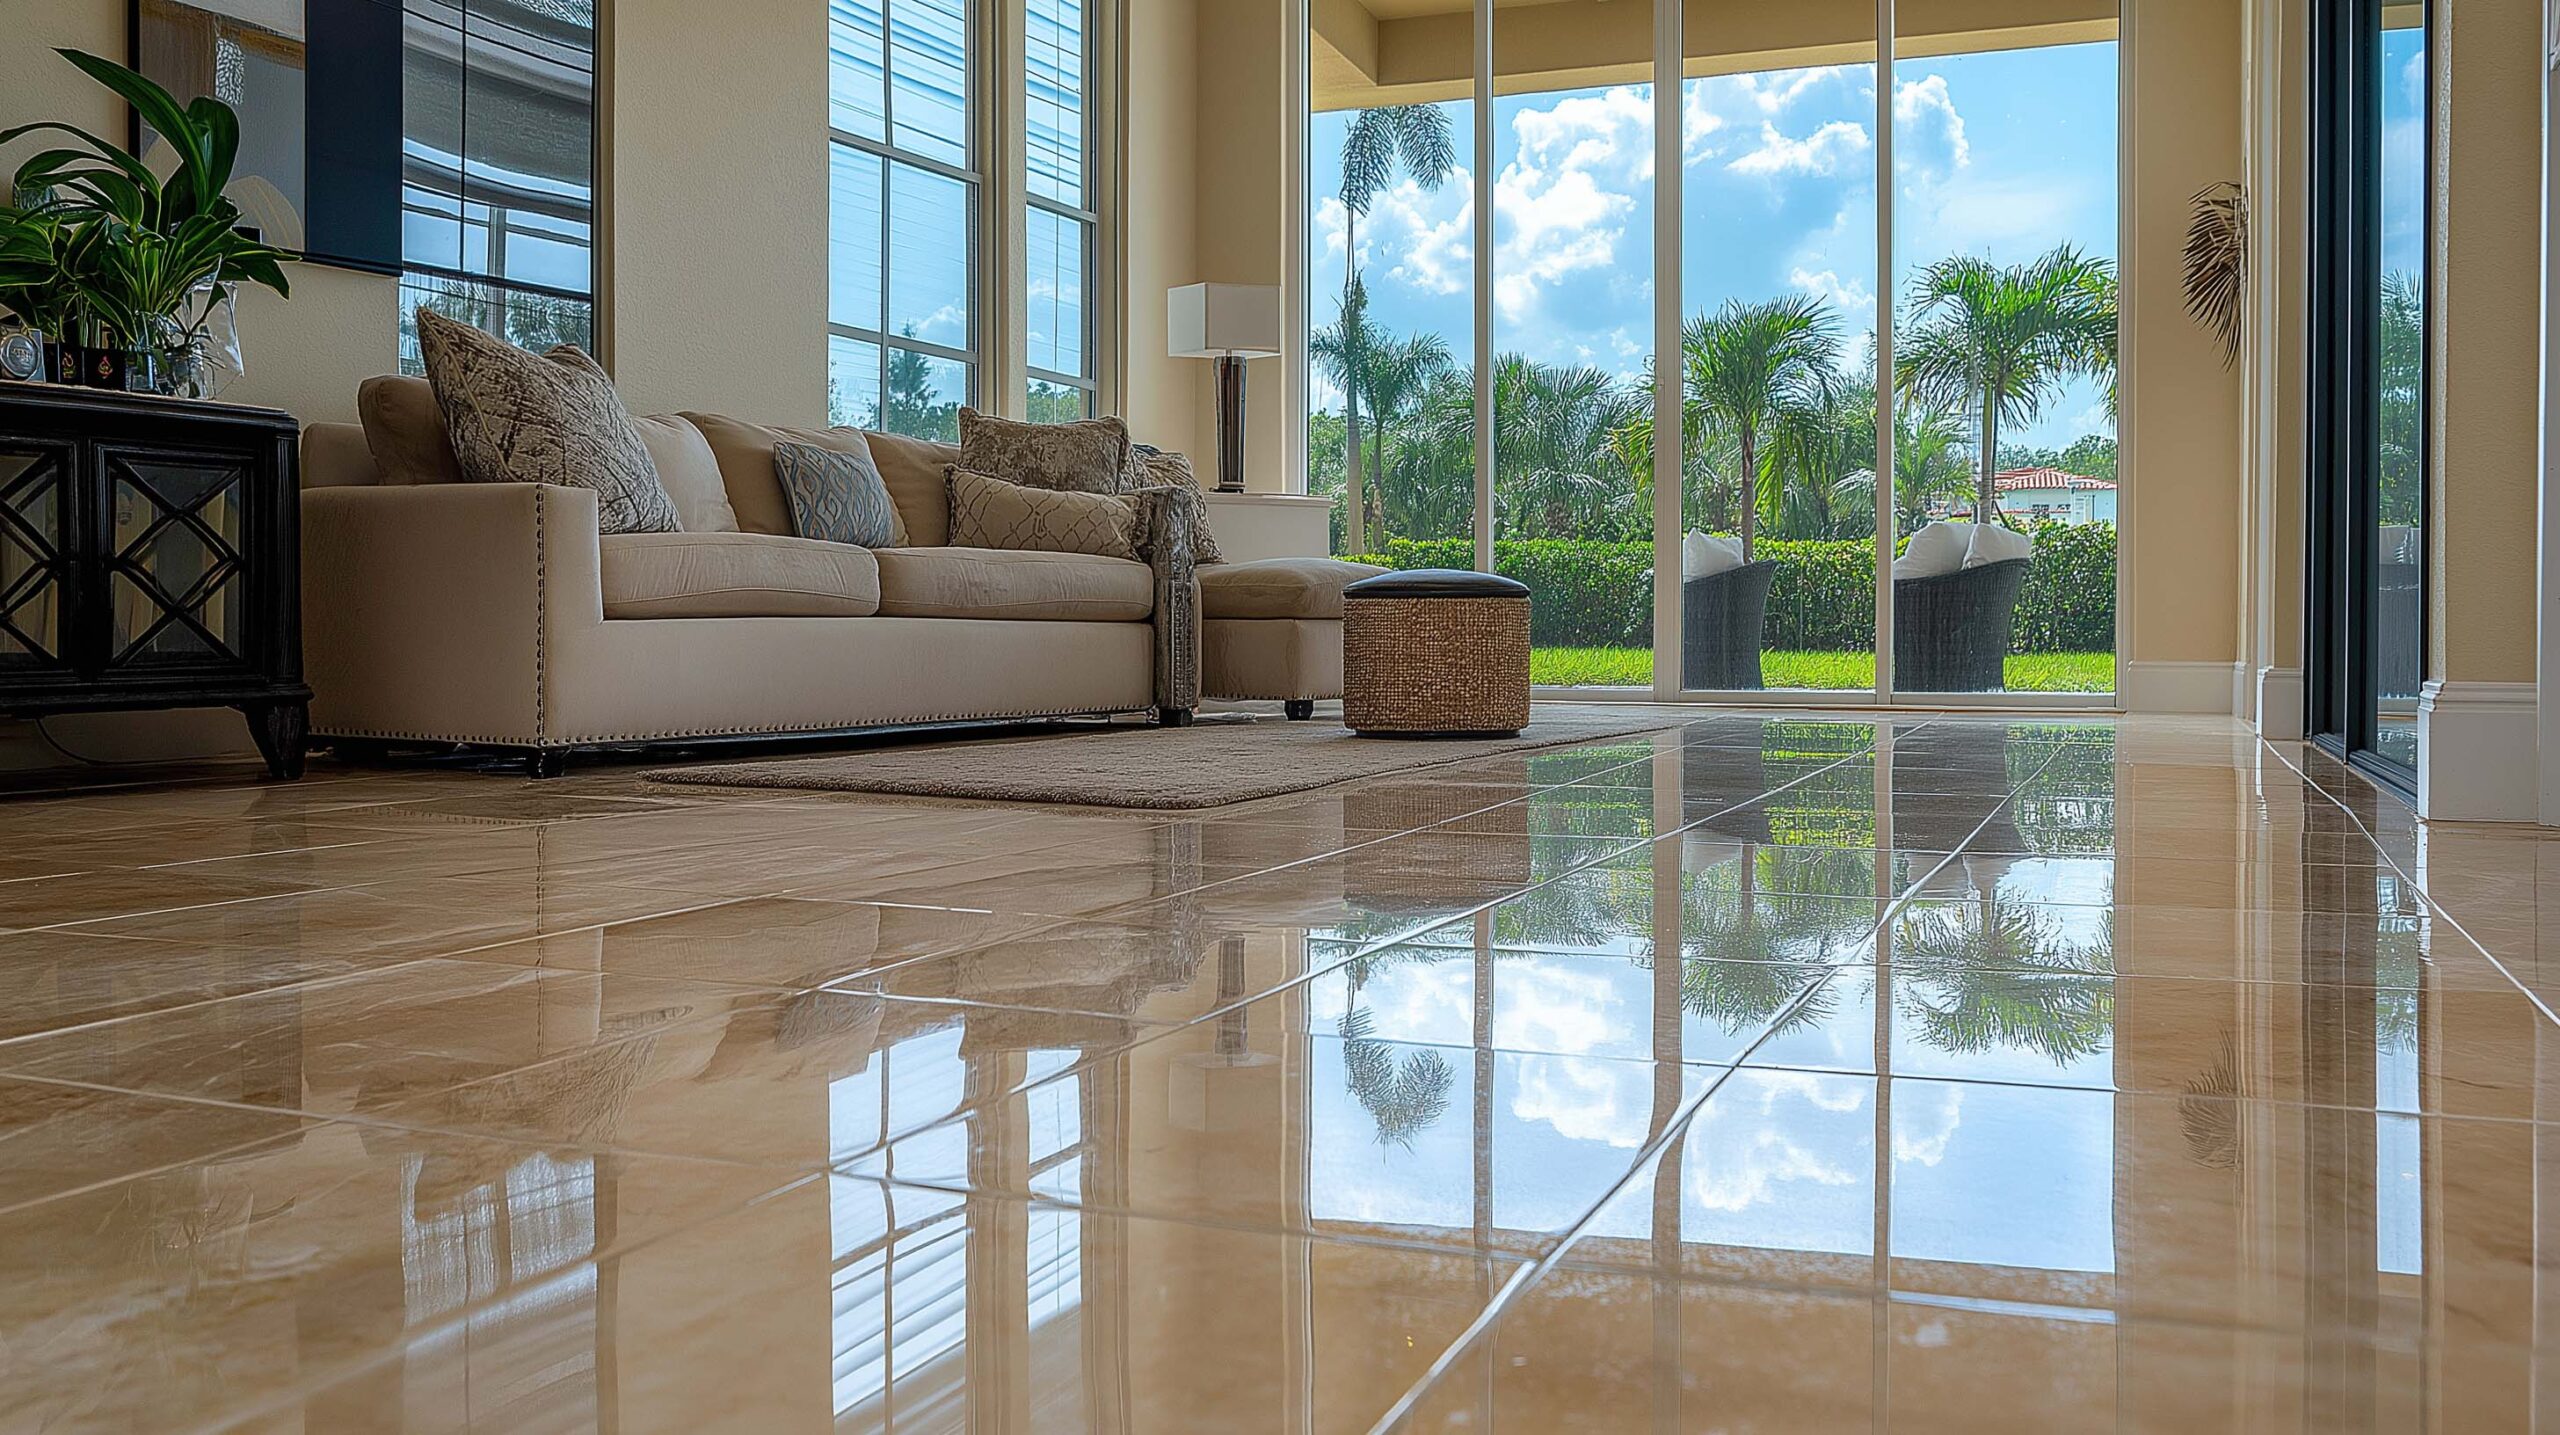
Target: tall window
x=1059, y=224
x=902, y=322
x=497, y=196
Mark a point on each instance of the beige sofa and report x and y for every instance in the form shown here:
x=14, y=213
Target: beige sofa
x=444, y=612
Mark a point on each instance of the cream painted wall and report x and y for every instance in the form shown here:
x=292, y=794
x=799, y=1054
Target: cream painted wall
x=1165, y=399
x=1239, y=200
x=2181, y=517
x=2485, y=355
x=716, y=152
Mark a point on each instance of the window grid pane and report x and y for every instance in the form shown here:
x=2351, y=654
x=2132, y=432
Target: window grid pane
x=1054, y=112
x=902, y=228
x=1054, y=291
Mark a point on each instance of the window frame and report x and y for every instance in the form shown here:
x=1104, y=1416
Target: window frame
x=972, y=176
x=1088, y=221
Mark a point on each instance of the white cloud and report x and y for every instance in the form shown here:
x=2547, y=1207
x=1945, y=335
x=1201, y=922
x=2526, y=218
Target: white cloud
x=1608, y=1102
x=1775, y=92
x=1563, y=204
x=1925, y=124
x=1822, y=152
x=1854, y=298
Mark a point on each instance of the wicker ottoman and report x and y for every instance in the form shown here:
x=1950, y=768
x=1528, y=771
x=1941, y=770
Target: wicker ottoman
x=1435, y=652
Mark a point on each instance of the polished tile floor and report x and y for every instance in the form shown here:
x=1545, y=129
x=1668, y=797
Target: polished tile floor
x=1755, y=1074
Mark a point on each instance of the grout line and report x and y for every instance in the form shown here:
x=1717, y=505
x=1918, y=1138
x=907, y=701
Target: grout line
x=2441, y=912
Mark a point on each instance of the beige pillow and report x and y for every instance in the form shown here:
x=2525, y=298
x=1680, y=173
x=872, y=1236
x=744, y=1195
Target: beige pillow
x=991, y=513
x=405, y=430
x=1085, y=456
x=913, y=468
x=689, y=473
x=516, y=417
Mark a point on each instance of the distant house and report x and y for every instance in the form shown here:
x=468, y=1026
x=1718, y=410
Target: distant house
x=2046, y=495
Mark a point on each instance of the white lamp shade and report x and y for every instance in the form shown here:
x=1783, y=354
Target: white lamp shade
x=1216, y=321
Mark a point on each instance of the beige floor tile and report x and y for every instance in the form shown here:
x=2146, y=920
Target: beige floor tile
x=242, y=1277
x=363, y=1043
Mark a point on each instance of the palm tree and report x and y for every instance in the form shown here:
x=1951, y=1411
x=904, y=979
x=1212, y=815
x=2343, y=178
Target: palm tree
x=1993, y=973
x=1557, y=465
x=1416, y=139
x=1748, y=367
x=1929, y=463
x=2003, y=341
x=1401, y=376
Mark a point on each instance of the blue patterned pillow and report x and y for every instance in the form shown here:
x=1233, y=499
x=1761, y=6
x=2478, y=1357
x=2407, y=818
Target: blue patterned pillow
x=838, y=496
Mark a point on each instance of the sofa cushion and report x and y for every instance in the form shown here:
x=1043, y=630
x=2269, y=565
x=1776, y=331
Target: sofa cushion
x=552, y=417
x=1279, y=587
x=405, y=430
x=744, y=452
x=913, y=469
x=987, y=512
x=1005, y=583
x=734, y=575
x=689, y=472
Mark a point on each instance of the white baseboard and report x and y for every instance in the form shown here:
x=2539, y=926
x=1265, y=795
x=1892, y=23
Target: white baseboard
x=2280, y=704
x=2478, y=752
x=2165, y=687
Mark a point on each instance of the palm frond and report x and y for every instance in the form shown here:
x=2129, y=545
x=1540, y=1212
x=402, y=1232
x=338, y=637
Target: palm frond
x=2216, y=261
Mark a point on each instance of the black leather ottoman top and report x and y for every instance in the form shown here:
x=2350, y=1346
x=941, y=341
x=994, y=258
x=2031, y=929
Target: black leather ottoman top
x=1437, y=583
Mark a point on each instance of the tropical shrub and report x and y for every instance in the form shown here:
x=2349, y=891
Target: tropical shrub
x=1596, y=594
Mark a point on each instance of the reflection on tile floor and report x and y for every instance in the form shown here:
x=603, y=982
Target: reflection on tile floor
x=1763, y=1073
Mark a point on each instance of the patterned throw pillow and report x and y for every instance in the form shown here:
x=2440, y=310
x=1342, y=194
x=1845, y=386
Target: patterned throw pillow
x=837, y=495
x=1086, y=456
x=517, y=417
x=991, y=513
x=1152, y=467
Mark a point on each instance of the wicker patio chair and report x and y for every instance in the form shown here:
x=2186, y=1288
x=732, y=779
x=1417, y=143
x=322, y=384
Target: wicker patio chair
x=1951, y=631
x=1721, y=619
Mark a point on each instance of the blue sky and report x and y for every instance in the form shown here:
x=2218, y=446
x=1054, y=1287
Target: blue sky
x=2002, y=155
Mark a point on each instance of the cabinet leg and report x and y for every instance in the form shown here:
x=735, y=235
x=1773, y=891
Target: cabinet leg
x=282, y=730
x=1299, y=709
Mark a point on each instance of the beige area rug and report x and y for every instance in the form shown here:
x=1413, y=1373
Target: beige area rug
x=1165, y=769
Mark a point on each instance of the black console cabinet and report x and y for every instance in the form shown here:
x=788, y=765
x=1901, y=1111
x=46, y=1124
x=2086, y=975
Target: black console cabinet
x=149, y=558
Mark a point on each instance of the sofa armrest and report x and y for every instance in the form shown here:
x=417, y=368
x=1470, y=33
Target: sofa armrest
x=430, y=611
x=1171, y=518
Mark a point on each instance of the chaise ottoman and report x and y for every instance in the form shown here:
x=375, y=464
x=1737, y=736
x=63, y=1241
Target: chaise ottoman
x=1272, y=629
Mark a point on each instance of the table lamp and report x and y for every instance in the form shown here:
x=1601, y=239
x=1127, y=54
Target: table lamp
x=1229, y=323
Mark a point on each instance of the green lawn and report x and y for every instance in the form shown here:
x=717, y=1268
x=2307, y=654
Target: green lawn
x=1633, y=667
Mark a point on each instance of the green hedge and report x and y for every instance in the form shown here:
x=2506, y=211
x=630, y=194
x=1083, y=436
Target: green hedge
x=1599, y=595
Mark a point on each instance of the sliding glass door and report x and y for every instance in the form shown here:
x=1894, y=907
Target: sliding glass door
x=2365, y=654
x=1618, y=301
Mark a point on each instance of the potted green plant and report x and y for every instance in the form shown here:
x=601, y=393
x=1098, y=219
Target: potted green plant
x=99, y=251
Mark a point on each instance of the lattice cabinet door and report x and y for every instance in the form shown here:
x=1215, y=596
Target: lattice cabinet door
x=174, y=526
x=37, y=563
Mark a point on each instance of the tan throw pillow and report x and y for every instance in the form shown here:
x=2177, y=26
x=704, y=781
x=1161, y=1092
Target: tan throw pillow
x=991, y=513
x=689, y=472
x=744, y=452
x=405, y=430
x=1152, y=467
x=913, y=469
x=516, y=417
x=1086, y=456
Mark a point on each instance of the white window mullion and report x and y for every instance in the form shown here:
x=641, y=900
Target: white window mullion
x=1886, y=288
x=1484, y=282
x=1003, y=311
x=1669, y=457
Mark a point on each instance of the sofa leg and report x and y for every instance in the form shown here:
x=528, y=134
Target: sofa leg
x=544, y=763
x=1174, y=717
x=1299, y=709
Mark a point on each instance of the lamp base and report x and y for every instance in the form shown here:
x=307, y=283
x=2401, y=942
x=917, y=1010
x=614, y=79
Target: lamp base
x=1230, y=424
